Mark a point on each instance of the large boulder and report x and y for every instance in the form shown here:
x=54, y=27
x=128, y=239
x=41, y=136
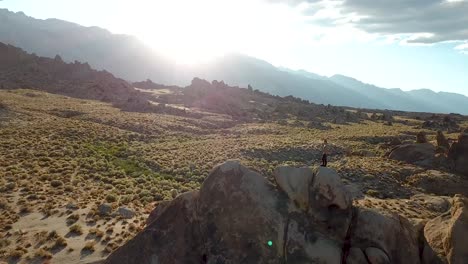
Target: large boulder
x=105, y=209
x=447, y=233
x=238, y=216
x=422, y=154
x=458, y=154
x=328, y=190
x=295, y=183
x=126, y=213
x=439, y=182
x=386, y=236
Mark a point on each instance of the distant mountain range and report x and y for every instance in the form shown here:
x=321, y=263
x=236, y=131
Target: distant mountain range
x=127, y=57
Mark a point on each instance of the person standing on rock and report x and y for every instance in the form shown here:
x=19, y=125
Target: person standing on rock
x=325, y=151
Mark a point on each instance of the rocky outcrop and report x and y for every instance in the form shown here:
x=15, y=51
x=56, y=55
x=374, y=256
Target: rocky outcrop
x=421, y=154
x=238, y=216
x=19, y=69
x=458, y=154
x=383, y=235
x=447, y=233
x=447, y=123
x=442, y=142
x=421, y=137
x=439, y=183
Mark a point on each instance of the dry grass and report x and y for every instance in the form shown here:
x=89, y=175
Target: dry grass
x=135, y=159
x=76, y=229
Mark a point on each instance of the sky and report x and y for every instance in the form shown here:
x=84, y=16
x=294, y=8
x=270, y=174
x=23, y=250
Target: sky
x=407, y=44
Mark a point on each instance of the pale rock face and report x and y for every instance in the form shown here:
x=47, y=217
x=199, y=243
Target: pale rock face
x=295, y=182
x=329, y=190
x=447, y=233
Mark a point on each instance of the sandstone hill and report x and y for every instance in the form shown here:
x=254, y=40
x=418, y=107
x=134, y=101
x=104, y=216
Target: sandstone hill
x=308, y=216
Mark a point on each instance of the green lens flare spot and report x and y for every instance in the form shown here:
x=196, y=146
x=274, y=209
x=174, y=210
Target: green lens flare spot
x=270, y=243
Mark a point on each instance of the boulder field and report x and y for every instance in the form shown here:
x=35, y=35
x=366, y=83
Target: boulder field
x=306, y=216
x=423, y=153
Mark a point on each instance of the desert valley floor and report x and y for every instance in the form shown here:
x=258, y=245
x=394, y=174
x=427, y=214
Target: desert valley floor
x=79, y=177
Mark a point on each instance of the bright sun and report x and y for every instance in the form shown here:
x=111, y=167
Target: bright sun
x=195, y=31
x=191, y=31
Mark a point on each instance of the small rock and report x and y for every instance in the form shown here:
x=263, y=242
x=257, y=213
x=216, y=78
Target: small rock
x=105, y=209
x=126, y=212
x=376, y=256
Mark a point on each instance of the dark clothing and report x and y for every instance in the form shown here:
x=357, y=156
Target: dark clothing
x=324, y=160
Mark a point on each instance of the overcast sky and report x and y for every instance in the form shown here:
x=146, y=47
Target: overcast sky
x=409, y=44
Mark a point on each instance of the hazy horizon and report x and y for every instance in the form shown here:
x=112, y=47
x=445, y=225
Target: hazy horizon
x=323, y=37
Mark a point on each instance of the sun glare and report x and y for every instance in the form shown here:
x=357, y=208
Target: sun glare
x=196, y=31
x=190, y=31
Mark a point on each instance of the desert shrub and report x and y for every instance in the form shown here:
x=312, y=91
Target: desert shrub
x=3, y=204
x=76, y=229
x=56, y=183
x=4, y=243
x=72, y=219
x=89, y=246
x=373, y=193
x=42, y=253
x=97, y=232
x=110, y=247
x=60, y=242
x=10, y=186
x=125, y=199
x=25, y=209
x=16, y=254
x=52, y=235
x=110, y=198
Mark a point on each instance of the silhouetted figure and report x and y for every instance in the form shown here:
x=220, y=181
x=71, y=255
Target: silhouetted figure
x=325, y=151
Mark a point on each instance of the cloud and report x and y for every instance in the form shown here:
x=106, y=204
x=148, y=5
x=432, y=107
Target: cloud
x=463, y=48
x=424, y=21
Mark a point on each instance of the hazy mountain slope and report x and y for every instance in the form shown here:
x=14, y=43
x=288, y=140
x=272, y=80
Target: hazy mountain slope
x=19, y=69
x=452, y=102
x=124, y=56
x=304, y=73
x=387, y=98
x=243, y=70
x=127, y=57
x=417, y=100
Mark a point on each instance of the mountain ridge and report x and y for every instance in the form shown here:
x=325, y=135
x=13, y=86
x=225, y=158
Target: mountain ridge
x=128, y=58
